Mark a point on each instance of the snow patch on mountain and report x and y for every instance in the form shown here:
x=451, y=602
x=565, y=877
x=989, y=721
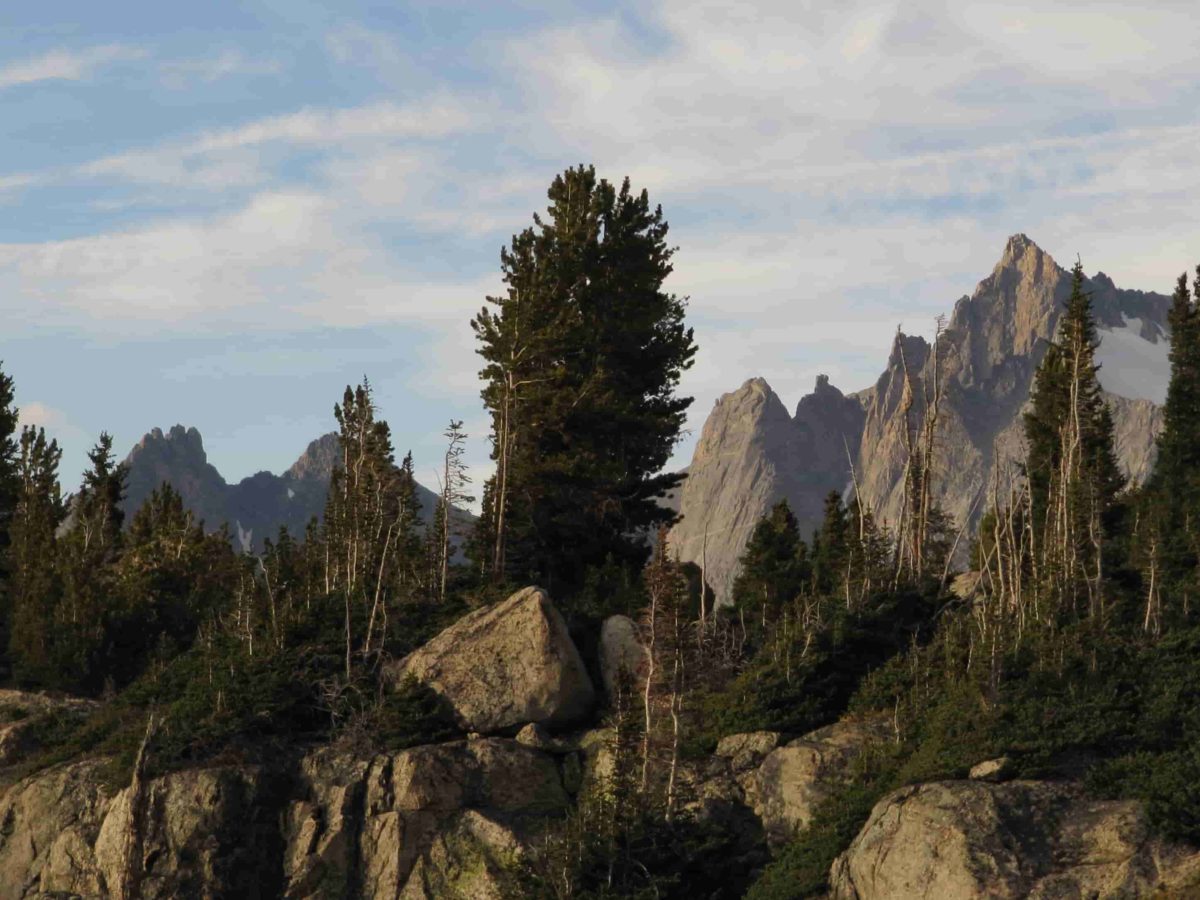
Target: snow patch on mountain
x=245, y=538
x=1131, y=365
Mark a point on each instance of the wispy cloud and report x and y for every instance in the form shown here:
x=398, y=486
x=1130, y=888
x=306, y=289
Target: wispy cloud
x=58, y=425
x=859, y=168
x=432, y=117
x=205, y=70
x=36, y=414
x=16, y=182
x=356, y=45
x=65, y=65
x=227, y=156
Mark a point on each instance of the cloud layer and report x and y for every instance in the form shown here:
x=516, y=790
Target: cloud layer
x=828, y=173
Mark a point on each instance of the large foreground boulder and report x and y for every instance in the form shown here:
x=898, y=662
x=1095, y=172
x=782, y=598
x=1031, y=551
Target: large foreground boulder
x=960, y=840
x=506, y=665
x=794, y=779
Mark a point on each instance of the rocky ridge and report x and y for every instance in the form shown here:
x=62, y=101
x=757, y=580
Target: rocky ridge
x=256, y=507
x=751, y=453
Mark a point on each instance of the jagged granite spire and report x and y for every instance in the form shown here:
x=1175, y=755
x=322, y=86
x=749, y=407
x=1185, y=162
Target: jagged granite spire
x=751, y=453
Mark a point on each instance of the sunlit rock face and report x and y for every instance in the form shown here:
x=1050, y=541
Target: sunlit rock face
x=752, y=453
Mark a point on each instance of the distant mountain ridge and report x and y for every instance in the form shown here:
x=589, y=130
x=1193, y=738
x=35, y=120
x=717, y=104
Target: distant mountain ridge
x=254, y=508
x=752, y=453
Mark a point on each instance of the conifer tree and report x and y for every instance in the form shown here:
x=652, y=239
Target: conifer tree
x=1072, y=466
x=9, y=472
x=1167, y=541
x=774, y=565
x=480, y=544
x=34, y=582
x=10, y=483
x=582, y=355
x=407, y=534
x=1179, y=443
x=831, y=547
x=169, y=580
x=453, y=496
x=86, y=556
x=370, y=517
x=98, y=514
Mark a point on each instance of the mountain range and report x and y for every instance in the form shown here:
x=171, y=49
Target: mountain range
x=254, y=508
x=753, y=453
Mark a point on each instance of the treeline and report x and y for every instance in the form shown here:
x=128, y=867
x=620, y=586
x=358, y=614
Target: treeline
x=581, y=360
x=90, y=602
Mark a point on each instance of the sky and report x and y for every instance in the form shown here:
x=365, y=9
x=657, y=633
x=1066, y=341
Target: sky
x=221, y=214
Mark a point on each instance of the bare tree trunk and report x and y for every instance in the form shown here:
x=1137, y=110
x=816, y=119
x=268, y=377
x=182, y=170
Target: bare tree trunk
x=651, y=659
x=703, y=581
x=346, y=595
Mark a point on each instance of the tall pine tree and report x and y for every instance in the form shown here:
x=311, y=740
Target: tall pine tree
x=583, y=354
x=32, y=554
x=10, y=484
x=1072, y=466
x=774, y=566
x=1171, y=499
x=86, y=559
x=369, y=527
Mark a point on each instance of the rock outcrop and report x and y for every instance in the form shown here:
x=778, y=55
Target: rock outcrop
x=751, y=453
x=621, y=651
x=424, y=822
x=400, y=825
x=794, y=779
x=204, y=832
x=972, y=839
x=506, y=665
x=50, y=825
x=471, y=857
x=21, y=714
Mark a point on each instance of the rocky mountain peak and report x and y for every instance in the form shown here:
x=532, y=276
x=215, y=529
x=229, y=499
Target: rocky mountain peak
x=909, y=350
x=317, y=461
x=756, y=394
x=256, y=507
x=751, y=454
x=830, y=413
x=178, y=441
x=1023, y=260
x=753, y=409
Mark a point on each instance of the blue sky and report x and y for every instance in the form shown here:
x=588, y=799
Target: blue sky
x=221, y=214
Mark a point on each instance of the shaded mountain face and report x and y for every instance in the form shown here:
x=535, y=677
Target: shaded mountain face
x=256, y=507
x=752, y=454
